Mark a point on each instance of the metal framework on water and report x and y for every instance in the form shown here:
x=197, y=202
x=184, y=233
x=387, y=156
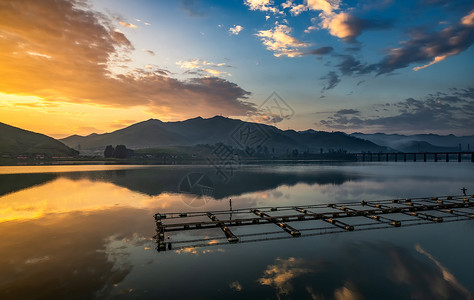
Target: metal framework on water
x=307, y=220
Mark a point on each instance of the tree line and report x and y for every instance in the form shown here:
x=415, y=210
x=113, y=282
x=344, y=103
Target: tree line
x=120, y=151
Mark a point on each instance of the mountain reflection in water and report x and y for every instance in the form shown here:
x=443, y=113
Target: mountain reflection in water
x=86, y=235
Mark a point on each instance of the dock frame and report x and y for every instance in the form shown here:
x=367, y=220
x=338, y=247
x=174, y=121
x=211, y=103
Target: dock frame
x=381, y=213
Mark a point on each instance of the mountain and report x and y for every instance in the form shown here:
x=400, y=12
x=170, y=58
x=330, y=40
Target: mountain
x=155, y=134
x=15, y=141
x=420, y=142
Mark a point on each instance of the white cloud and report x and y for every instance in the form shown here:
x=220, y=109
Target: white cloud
x=287, y=4
x=189, y=64
x=294, y=9
x=262, y=5
x=39, y=54
x=143, y=22
x=311, y=28
x=297, y=9
x=281, y=42
x=236, y=29
x=201, y=66
x=326, y=6
x=215, y=72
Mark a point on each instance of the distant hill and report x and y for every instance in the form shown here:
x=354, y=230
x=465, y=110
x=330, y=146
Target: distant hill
x=421, y=142
x=15, y=141
x=155, y=133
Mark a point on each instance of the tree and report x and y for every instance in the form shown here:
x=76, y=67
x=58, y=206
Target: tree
x=109, y=151
x=120, y=151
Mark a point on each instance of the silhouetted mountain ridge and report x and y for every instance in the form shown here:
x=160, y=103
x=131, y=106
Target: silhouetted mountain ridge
x=155, y=133
x=419, y=142
x=15, y=141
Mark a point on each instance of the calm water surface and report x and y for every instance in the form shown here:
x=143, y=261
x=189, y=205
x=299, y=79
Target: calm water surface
x=85, y=232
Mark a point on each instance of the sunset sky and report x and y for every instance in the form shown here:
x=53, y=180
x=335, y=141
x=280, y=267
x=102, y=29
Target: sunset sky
x=78, y=67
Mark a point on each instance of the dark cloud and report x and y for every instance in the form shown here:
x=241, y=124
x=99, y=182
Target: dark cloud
x=427, y=48
x=376, y=5
x=66, y=53
x=464, y=93
x=463, y=5
x=348, y=112
x=357, y=25
x=422, y=48
x=349, y=65
x=332, y=79
x=440, y=112
x=192, y=8
x=149, y=52
x=321, y=51
x=353, y=49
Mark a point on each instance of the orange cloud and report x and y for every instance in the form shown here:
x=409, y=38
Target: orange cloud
x=67, y=53
x=129, y=25
x=281, y=42
x=282, y=273
x=338, y=25
x=326, y=6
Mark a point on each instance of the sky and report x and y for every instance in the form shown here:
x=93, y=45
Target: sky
x=78, y=67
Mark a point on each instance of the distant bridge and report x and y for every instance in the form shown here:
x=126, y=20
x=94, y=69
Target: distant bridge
x=415, y=156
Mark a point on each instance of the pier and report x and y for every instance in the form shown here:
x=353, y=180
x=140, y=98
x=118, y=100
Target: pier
x=415, y=156
x=305, y=220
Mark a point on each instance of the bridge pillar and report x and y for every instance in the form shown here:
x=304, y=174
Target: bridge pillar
x=447, y=157
x=386, y=157
x=378, y=156
x=396, y=157
x=370, y=156
x=363, y=156
x=414, y=156
x=424, y=157
x=472, y=157
x=404, y=157
x=436, y=157
x=459, y=157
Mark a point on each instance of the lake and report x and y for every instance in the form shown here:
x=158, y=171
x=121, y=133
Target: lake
x=86, y=232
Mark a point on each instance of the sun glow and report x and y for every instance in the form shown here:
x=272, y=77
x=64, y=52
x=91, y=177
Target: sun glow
x=65, y=119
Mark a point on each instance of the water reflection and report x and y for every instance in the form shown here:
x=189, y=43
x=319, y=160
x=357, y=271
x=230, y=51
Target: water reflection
x=167, y=180
x=33, y=195
x=88, y=234
x=64, y=256
x=10, y=183
x=364, y=269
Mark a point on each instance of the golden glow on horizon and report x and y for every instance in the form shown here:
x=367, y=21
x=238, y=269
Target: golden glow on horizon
x=65, y=119
x=69, y=70
x=65, y=196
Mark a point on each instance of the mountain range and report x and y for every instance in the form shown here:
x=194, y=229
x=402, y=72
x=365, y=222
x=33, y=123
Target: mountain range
x=420, y=142
x=198, y=131
x=15, y=141
x=155, y=133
